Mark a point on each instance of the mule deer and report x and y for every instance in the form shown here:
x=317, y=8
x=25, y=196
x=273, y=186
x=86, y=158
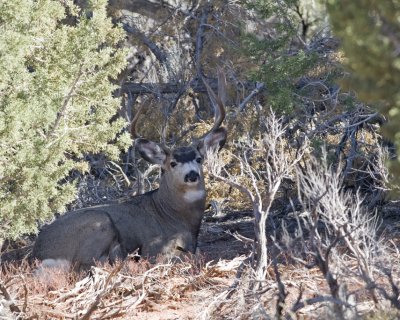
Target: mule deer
x=162, y=221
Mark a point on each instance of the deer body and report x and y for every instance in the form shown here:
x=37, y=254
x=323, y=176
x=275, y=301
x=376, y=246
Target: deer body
x=110, y=232
x=163, y=221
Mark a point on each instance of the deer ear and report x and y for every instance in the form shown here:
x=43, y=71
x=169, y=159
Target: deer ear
x=214, y=140
x=150, y=151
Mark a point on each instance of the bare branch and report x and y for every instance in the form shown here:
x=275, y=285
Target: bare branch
x=318, y=299
x=158, y=53
x=200, y=40
x=260, y=86
x=282, y=294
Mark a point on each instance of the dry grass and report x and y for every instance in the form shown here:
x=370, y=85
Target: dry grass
x=107, y=292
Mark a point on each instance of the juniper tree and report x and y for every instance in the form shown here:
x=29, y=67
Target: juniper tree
x=56, y=102
x=280, y=50
x=370, y=37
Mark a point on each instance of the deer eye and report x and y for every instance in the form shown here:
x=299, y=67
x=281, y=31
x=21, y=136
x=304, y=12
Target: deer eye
x=173, y=164
x=198, y=160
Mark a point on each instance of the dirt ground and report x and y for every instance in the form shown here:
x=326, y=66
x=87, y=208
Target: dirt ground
x=217, y=240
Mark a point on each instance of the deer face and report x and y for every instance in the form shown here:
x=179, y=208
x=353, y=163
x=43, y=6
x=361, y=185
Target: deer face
x=185, y=166
x=182, y=166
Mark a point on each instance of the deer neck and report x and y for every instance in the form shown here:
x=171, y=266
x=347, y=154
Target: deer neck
x=186, y=206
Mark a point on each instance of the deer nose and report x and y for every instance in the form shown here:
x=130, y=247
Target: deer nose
x=192, y=176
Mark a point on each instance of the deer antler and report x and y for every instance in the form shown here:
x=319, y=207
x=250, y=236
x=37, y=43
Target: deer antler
x=134, y=133
x=163, y=138
x=218, y=101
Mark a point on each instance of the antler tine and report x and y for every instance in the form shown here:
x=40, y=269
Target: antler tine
x=222, y=85
x=134, y=121
x=163, y=138
x=218, y=101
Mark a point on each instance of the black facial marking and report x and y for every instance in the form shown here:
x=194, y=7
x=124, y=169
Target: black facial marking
x=184, y=154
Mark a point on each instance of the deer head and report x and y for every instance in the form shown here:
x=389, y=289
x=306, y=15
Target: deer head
x=182, y=166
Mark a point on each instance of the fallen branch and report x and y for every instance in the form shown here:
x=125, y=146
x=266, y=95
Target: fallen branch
x=4, y=292
x=319, y=299
x=175, y=87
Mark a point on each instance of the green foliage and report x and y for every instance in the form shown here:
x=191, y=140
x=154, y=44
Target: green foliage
x=279, y=53
x=370, y=31
x=55, y=104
